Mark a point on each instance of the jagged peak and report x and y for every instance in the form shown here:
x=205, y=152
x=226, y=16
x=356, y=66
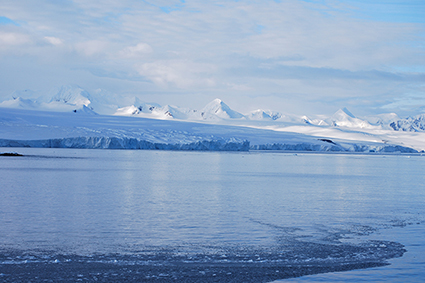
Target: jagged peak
x=261, y=114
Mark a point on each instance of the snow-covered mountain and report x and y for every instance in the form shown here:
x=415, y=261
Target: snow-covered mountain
x=20, y=103
x=342, y=131
x=28, y=94
x=261, y=114
x=156, y=111
x=383, y=120
x=344, y=118
x=73, y=98
x=72, y=95
x=411, y=124
x=317, y=122
x=65, y=99
x=217, y=109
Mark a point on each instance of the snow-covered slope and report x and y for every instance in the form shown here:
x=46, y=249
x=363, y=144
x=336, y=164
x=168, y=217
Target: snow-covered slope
x=72, y=95
x=71, y=98
x=411, y=124
x=344, y=118
x=28, y=94
x=57, y=129
x=127, y=111
x=155, y=111
x=261, y=114
x=20, y=103
x=65, y=99
x=383, y=120
x=317, y=122
x=74, y=120
x=217, y=109
x=20, y=128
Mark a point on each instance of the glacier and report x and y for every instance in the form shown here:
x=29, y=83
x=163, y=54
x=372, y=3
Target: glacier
x=31, y=128
x=74, y=118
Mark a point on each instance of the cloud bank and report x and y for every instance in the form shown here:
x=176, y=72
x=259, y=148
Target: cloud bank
x=290, y=56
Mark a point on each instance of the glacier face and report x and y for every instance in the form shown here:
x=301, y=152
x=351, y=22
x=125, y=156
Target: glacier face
x=128, y=143
x=347, y=147
x=204, y=145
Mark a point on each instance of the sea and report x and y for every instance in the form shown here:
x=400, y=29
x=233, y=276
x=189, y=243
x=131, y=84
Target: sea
x=95, y=215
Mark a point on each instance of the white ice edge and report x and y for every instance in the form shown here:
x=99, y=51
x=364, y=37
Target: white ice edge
x=25, y=128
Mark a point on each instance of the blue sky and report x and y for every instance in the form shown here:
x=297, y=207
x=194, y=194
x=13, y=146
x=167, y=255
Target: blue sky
x=303, y=57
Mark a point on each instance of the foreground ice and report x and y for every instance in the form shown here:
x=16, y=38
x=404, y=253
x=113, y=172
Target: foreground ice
x=213, y=264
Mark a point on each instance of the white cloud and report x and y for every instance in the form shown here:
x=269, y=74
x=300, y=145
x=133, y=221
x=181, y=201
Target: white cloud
x=91, y=47
x=136, y=51
x=53, y=40
x=292, y=29
x=179, y=73
x=412, y=99
x=239, y=87
x=13, y=39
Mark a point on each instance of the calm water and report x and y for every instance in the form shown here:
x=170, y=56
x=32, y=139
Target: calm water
x=161, y=216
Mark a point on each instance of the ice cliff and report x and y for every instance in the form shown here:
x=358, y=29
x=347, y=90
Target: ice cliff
x=128, y=143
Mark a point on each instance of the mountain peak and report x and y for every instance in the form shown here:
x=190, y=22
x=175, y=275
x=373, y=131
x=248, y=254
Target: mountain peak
x=344, y=118
x=344, y=112
x=218, y=101
x=217, y=108
x=261, y=114
x=72, y=94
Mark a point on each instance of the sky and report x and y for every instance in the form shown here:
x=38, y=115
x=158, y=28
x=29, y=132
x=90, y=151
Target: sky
x=306, y=57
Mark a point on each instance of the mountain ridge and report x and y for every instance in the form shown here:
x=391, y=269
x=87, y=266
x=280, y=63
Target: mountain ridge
x=73, y=98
